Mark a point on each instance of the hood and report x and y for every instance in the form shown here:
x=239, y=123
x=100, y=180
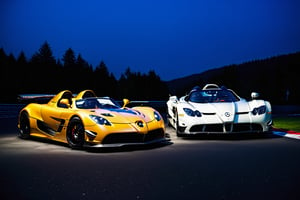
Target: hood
x=119, y=115
x=226, y=111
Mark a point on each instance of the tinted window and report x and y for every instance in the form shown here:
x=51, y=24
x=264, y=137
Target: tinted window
x=94, y=103
x=210, y=96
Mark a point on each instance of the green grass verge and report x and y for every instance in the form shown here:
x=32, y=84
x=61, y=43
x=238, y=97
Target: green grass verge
x=287, y=122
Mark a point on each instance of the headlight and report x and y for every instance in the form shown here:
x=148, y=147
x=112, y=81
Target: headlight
x=140, y=123
x=100, y=120
x=189, y=112
x=192, y=113
x=260, y=110
x=157, y=116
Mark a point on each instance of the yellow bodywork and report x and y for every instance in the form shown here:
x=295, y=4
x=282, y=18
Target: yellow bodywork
x=116, y=127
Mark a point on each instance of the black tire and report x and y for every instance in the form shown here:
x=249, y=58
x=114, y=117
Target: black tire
x=75, y=133
x=168, y=118
x=178, y=133
x=24, y=130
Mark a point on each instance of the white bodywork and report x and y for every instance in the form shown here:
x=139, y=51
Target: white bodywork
x=218, y=117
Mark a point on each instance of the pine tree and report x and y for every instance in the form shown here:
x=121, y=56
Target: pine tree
x=104, y=83
x=70, y=78
x=42, y=67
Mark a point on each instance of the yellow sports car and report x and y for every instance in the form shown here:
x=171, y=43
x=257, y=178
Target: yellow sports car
x=87, y=120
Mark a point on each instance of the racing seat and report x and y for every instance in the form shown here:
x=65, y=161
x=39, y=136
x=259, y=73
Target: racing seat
x=66, y=100
x=64, y=103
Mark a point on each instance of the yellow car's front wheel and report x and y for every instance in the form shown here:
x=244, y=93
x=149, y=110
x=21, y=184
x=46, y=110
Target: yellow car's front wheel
x=75, y=133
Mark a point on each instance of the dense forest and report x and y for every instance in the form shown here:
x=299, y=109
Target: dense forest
x=42, y=73
x=275, y=78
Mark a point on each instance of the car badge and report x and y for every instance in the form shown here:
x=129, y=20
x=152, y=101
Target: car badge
x=227, y=114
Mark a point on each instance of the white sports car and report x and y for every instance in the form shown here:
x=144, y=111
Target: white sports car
x=215, y=109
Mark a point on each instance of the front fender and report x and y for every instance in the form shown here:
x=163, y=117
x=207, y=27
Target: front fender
x=147, y=111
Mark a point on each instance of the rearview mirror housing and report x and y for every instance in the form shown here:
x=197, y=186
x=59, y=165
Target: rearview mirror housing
x=254, y=95
x=125, y=102
x=173, y=99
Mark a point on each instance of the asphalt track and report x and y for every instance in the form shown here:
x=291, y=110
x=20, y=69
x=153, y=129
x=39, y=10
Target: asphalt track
x=210, y=167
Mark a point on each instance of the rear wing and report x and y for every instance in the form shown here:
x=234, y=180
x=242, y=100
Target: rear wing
x=45, y=98
x=34, y=98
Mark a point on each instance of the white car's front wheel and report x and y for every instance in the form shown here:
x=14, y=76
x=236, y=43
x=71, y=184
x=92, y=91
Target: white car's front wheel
x=177, y=127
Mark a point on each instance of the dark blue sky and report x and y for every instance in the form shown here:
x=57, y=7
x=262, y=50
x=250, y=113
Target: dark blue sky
x=175, y=38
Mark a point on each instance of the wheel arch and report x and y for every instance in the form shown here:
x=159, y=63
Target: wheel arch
x=33, y=110
x=74, y=116
x=24, y=125
x=22, y=112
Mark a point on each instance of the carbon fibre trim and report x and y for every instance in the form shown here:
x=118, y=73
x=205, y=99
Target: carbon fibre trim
x=45, y=128
x=61, y=125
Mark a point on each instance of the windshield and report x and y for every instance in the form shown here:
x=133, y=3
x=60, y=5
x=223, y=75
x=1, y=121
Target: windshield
x=95, y=103
x=210, y=96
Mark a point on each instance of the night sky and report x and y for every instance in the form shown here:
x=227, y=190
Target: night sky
x=175, y=38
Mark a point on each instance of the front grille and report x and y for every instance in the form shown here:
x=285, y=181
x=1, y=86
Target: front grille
x=207, y=128
x=241, y=127
x=133, y=137
x=229, y=127
x=214, y=128
x=247, y=127
x=154, y=134
x=123, y=138
x=197, y=128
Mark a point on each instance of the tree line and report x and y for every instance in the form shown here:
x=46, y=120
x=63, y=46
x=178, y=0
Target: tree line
x=45, y=74
x=275, y=78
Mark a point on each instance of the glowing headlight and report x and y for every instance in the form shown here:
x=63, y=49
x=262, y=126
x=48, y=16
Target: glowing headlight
x=157, y=116
x=192, y=113
x=100, y=120
x=260, y=110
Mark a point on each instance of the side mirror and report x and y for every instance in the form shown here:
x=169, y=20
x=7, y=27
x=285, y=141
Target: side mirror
x=174, y=99
x=64, y=103
x=254, y=95
x=125, y=102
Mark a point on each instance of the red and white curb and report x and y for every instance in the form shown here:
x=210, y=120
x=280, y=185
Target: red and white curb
x=286, y=133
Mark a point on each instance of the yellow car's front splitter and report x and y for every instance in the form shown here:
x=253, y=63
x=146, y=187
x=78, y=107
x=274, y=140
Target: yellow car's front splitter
x=155, y=141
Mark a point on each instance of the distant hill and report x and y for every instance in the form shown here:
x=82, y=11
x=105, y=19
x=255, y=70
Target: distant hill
x=275, y=78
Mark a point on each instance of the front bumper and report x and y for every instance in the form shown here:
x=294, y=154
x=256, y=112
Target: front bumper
x=225, y=128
